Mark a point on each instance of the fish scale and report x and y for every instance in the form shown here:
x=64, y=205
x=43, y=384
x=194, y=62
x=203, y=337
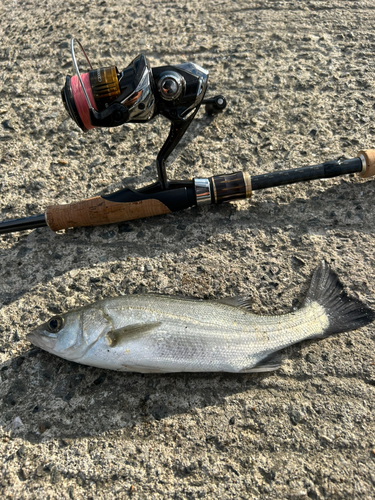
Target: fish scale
x=160, y=334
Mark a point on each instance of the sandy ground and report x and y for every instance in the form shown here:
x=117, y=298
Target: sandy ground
x=298, y=78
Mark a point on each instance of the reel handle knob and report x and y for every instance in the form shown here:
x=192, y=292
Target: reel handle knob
x=215, y=104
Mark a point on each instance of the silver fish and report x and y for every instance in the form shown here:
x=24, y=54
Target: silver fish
x=160, y=334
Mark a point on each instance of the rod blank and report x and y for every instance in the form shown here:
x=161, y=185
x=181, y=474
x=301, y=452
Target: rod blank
x=32, y=222
x=303, y=174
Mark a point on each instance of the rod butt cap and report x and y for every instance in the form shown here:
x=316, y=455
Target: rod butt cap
x=368, y=159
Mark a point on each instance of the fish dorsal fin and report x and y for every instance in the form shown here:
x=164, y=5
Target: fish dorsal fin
x=267, y=364
x=241, y=302
x=128, y=332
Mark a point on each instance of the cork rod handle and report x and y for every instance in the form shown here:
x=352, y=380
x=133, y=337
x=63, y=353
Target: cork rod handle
x=98, y=211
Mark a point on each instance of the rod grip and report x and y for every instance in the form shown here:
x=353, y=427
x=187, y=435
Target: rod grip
x=368, y=157
x=99, y=211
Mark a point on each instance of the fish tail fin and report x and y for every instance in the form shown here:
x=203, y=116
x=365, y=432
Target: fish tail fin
x=344, y=313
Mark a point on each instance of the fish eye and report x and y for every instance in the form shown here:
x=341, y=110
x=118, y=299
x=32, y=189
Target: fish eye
x=55, y=324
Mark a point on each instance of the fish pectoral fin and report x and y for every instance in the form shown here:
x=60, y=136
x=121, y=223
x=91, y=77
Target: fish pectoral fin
x=120, y=335
x=267, y=364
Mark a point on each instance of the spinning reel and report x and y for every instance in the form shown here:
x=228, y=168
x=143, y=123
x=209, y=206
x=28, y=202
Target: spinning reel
x=107, y=97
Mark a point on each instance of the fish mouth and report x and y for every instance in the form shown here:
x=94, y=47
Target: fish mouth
x=35, y=339
x=40, y=340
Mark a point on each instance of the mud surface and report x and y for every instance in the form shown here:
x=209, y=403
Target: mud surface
x=299, y=80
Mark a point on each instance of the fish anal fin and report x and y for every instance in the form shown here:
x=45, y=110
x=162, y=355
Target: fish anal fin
x=268, y=364
x=242, y=302
x=128, y=332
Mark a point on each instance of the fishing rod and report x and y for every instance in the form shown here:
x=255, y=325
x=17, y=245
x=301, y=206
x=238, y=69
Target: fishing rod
x=105, y=97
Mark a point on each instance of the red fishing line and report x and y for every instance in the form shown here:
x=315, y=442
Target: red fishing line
x=80, y=98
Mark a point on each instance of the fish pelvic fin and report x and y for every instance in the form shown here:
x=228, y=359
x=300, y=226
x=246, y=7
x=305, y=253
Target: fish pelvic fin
x=344, y=313
x=129, y=332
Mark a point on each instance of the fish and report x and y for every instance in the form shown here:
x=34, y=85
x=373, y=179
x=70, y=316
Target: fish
x=165, y=334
